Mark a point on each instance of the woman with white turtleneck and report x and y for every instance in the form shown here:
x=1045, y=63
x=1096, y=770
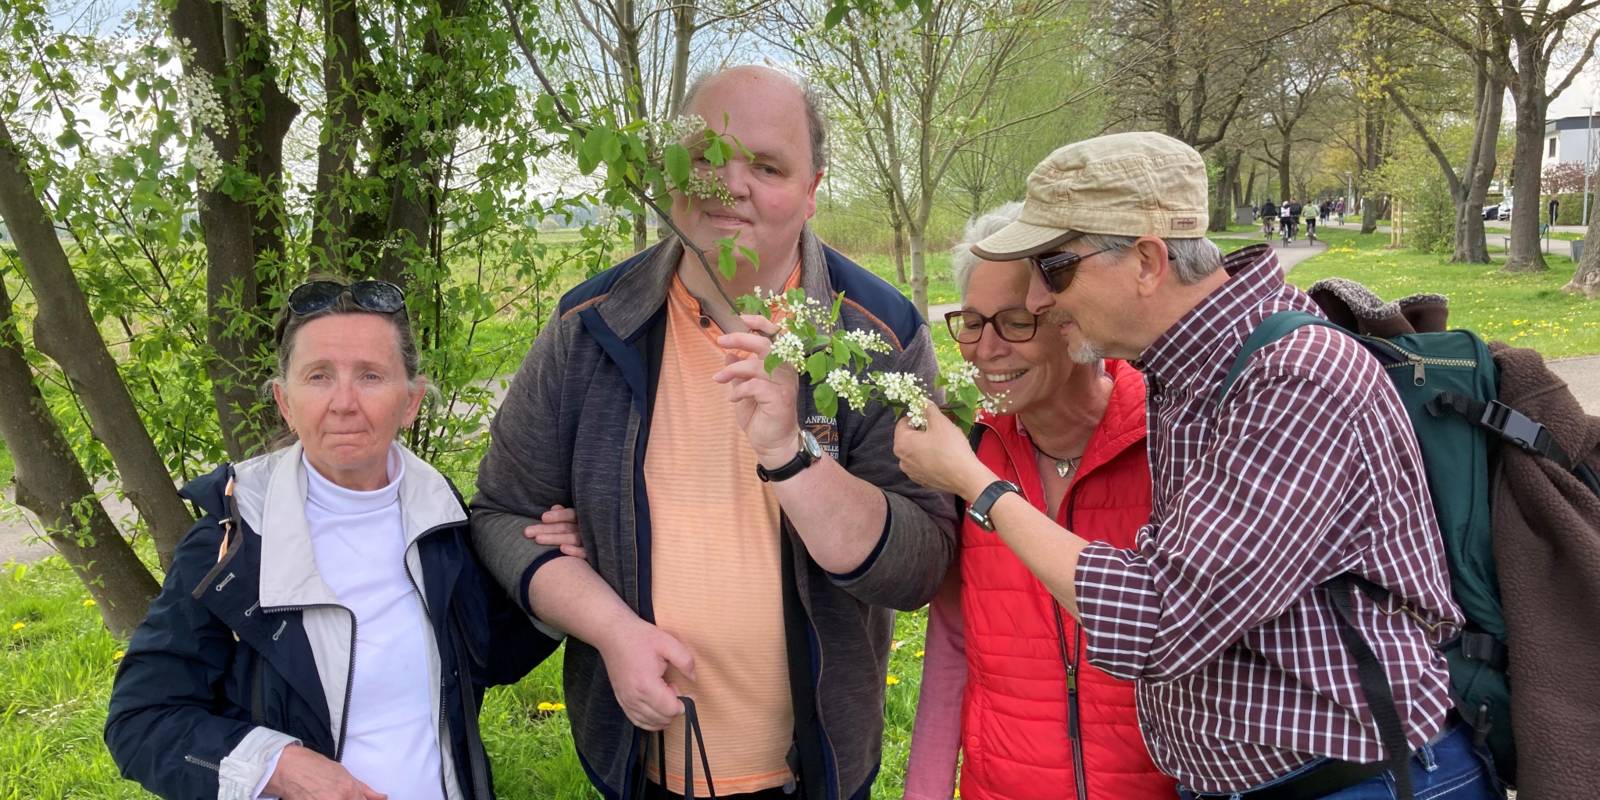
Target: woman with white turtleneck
x=325, y=631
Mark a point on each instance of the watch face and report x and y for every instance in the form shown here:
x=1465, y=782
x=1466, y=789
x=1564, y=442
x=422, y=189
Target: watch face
x=809, y=444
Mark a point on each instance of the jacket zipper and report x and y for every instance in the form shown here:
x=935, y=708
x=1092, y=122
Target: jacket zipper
x=214, y=767
x=1070, y=663
x=1418, y=362
x=350, y=675
x=406, y=568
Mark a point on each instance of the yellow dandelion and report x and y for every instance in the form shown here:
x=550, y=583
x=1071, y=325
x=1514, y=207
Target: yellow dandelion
x=17, y=626
x=549, y=707
x=891, y=680
x=89, y=603
x=117, y=656
x=921, y=653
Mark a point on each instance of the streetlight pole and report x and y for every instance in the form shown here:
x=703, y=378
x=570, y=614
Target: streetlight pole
x=1588, y=155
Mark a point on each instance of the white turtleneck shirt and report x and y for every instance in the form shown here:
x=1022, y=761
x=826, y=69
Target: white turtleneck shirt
x=392, y=727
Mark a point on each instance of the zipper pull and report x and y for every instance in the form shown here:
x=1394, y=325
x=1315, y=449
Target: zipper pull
x=1418, y=376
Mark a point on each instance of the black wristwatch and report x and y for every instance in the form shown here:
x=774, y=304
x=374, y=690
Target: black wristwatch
x=810, y=451
x=979, y=510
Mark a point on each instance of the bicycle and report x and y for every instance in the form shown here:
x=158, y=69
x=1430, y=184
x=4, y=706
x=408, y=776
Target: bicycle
x=1266, y=227
x=1311, y=232
x=1288, y=232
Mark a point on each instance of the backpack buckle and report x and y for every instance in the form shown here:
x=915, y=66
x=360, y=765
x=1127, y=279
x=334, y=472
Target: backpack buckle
x=1515, y=427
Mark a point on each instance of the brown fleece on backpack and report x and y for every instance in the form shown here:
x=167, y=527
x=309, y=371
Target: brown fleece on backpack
x=1547, y=549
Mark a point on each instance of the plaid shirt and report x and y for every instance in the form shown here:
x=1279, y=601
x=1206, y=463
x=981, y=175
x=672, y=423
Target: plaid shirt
x=1309, y=471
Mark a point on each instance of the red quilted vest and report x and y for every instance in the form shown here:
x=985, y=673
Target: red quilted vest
x=1014, y=727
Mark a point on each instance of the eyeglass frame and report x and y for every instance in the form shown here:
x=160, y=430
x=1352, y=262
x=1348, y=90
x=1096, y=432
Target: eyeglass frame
x=989, y=320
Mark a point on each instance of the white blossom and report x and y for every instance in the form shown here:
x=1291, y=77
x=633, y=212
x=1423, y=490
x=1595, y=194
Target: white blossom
x=904, y=389
x=848, y=387
x=869, y=341
x=790, y=350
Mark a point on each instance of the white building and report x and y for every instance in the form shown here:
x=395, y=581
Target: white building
x=1571, y=139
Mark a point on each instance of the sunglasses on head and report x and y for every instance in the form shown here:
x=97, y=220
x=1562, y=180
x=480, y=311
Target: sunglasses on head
x=381, y=297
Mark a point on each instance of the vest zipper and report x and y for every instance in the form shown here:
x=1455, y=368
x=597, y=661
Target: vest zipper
x=1069, y=661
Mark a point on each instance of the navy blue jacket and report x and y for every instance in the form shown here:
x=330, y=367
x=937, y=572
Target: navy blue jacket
x=207, y=665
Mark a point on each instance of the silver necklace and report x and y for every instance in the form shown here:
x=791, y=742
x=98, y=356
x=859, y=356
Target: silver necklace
x=1065, y=467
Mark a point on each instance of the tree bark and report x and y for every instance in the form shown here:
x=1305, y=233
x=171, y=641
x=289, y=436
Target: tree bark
x=1227, y=189
x=1525, y=254
x=240, y=234
x=342, y=68
x=65, y=330
x=1586, y=280
x=51, y=483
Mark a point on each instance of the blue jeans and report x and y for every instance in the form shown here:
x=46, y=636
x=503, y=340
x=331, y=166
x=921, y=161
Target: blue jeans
x=1448, y=767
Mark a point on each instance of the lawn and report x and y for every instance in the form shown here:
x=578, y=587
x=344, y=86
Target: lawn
x=1526, y=310
x=57, y=663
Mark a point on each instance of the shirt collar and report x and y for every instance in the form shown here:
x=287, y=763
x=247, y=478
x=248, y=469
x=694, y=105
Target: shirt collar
x=1178, y=355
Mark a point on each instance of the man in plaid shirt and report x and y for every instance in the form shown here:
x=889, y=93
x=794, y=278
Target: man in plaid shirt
x=1307, y=470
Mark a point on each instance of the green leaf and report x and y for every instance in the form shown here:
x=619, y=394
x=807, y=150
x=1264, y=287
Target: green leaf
x=838, y=301
x=751, y=255
x=835, y=15
x=677, y=163
x=750, y=304
x=771, y=363
x=817, y=366
x=826, y=400
x=725, y=261
x=69, y=138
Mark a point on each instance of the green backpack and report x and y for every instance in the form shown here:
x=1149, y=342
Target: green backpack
x=1448, y=383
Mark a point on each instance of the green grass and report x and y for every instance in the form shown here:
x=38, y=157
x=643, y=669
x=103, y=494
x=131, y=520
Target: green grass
x=57, y=662
x=1524, y=309
x=941, y=287
x=6, y=467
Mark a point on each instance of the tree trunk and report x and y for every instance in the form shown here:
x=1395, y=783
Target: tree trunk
x=237, y=328
x=1586, y=281
x=1227, y=187
x=1283, y=167
x=1526, y=154
x=683, y=30
x=51, y=483
x=1471, y=241
x=342, y=69
x=65, y=330
x=919, y=271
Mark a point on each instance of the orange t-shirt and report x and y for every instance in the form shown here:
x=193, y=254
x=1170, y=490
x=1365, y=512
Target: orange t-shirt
x=717, y=577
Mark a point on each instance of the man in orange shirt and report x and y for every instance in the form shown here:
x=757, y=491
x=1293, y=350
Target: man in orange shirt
x=743, y=549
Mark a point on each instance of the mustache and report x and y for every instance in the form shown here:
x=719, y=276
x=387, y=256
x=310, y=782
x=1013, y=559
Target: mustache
x=1055, y=316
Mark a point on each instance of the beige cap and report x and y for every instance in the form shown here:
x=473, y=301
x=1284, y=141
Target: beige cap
x=1122, y=184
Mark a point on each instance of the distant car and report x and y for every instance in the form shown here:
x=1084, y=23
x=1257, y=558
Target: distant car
x=1500, y=210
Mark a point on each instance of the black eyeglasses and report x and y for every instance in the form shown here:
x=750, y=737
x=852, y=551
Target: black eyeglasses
x=381, y=297
x=1011, y=324
x=1058, y=269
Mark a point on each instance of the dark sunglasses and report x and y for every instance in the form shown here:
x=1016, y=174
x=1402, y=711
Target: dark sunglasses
x=1011, y=324
x=381, y=297
x=1058, y=269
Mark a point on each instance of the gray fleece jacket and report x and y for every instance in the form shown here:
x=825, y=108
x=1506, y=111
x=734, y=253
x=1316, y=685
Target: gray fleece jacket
x=573, y=430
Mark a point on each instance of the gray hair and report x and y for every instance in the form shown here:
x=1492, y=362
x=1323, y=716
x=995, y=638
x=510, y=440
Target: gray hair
x=962, y=259
x=1192, y=259
x=816, y=121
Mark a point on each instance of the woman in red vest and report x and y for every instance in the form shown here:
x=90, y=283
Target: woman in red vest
x=1005, y=685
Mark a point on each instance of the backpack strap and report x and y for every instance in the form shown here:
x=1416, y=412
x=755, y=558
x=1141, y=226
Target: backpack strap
x=1270, y=330
x=1369, y=670
x=1374, y=682
x=1506, y=422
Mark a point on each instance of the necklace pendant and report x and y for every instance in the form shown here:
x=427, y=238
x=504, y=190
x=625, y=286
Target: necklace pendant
x=1066, y=466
